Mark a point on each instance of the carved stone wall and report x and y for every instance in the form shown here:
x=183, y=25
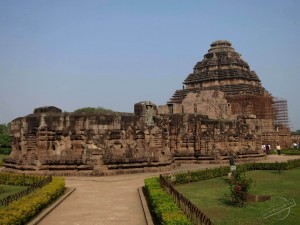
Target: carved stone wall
x=70, y=143
x=221, y=110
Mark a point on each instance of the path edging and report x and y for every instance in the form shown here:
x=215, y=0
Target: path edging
x=146, y=210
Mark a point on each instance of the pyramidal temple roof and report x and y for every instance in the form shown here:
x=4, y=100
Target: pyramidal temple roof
x=221, y=68
x=221, y=62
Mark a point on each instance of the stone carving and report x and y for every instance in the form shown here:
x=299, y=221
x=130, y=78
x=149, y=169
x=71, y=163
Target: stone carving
x=222, y=110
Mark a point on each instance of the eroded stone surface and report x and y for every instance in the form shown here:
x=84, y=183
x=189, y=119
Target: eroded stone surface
x=222, y=110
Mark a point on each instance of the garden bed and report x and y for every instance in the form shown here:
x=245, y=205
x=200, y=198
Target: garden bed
x=21, y=207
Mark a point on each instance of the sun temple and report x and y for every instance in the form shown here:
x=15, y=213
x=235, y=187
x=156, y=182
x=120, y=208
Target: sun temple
x=222, y=110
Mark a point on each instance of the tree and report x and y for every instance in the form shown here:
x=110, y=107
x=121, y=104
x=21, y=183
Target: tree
x=297, y=132
x=92, y=110
x=4, y=128
x=5, y=136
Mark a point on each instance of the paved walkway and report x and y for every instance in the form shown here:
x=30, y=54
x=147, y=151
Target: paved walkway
x=111, y=200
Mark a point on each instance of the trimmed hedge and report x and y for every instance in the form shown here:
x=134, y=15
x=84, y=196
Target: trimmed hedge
x=162, y=206
x=290, y=164
x=20, y=179
x=23, y=210
x=197, y=175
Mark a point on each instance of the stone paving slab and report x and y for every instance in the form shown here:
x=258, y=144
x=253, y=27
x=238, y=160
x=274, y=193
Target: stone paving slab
x=45, y=212
x=112, y=200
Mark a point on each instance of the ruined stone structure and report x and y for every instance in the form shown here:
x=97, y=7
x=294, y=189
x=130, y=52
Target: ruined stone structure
x=222, y=110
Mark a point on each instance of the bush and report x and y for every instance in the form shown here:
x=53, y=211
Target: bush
x=2, y=157
x=92, y=110
x=20, y=179
x=270, y=166
x=239, y=188
x=23, y=210
x=5, y=151
x=1, y=189
x=162, y=206
x=5, y=136
x=197, y=175
x=293, y=164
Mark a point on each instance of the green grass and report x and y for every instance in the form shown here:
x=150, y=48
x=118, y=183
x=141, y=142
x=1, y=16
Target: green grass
x=10, y=189
x=292, y=151
x=210, y=197
x=1, y=159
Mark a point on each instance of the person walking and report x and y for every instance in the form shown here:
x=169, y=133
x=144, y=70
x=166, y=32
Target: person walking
x=267, y=149
x=278, y=148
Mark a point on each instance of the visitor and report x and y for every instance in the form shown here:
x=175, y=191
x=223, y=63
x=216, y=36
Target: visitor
x=295, y=145
x=263, y=147
x=267, y=149
x=278, y=148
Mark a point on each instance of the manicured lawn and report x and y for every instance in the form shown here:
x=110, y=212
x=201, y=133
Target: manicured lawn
x=295, y=151
x=10, y=189
x=210, y=197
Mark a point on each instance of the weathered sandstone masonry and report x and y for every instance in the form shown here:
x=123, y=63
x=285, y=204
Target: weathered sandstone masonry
x=222, y=110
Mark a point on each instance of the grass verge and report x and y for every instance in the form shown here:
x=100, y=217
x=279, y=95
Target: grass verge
x=10, y=189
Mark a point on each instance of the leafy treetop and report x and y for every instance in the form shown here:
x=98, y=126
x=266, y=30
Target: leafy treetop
x=92, y=110
x=5, y=137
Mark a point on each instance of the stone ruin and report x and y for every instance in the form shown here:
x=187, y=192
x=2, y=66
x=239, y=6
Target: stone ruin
x=222, y=110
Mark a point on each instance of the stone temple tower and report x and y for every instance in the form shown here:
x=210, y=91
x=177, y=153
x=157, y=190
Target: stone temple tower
x=223, y=72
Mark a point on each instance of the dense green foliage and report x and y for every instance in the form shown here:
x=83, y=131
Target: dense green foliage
x=92, y=110
x=296, y=132
x=20, y=179
x=1, y=159
x=5, y=151
x=4, y=128
x=270, y=166
x=5, y=137
x=239, y=188
x=162, y=206
x=213, y=198
x=196, y=175
x=21, y=211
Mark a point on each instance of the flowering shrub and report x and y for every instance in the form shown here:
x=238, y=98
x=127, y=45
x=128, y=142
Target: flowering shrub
x=239, y=187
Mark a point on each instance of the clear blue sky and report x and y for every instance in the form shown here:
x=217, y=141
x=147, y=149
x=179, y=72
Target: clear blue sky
x=74, y=54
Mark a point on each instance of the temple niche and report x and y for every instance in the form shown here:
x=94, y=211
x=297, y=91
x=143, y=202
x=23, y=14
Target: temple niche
x=222, y=110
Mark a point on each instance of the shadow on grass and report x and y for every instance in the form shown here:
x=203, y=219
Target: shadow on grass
x=225, y=201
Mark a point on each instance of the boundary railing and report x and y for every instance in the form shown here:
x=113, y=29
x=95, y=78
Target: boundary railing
x=192, y=211
x=168, y=180
x=43, y=180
